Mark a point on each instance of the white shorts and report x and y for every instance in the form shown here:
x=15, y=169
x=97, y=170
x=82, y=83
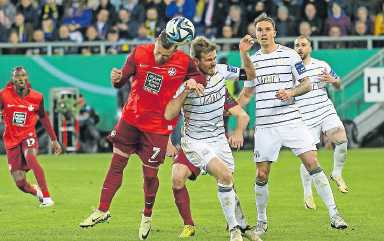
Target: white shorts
x=330, y=122
x=269, y=140
x=200, y=153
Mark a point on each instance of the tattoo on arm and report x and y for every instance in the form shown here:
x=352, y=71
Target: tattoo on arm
x=302, y=88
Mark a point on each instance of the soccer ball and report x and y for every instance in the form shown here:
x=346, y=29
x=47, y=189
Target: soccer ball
x=180, y=30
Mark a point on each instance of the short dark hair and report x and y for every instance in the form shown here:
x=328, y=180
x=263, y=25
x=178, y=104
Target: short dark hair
x=201, y=45
x=163, y=40
x=305, y=37
x=264, y=17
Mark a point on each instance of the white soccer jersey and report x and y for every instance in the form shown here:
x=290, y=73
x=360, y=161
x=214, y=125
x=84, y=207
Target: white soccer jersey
x=203, y=115
x=315, y=105
x=281, y=69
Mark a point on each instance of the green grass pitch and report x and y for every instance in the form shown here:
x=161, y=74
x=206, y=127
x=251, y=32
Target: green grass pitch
x=75, y=182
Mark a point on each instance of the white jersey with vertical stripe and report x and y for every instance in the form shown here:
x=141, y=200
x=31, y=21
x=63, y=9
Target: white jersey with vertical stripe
x=280, y=69
x=315, y=105
x=203, y=115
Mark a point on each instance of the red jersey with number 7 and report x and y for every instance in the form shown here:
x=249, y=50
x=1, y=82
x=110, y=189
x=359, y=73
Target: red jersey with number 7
x=153, y=86
x=20, y=114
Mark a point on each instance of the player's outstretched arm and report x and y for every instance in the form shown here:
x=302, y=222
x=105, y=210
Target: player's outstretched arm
x=236, y=140
x=245, y=96
x=245, y=45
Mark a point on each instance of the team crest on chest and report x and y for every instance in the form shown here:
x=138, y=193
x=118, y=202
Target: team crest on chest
x=172, y=71
x=280, y=61
x=31, y=108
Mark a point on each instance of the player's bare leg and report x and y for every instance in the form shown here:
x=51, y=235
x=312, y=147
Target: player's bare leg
x=339, y=138
x=111, y=184
x=309, y=159
x=261, y=191
x=226, y=195
x=22, y=183
x=30, y=157
x=180, y=174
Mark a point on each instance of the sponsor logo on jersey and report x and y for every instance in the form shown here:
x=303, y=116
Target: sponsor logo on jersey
x=232, y=69
x=211, y=98
x=280, y=61
x=19, y=118
x=300, y=68
x=172, y=71
x=153, y=83
x=267, y=79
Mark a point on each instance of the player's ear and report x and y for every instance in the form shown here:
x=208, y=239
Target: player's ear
x=196, y=61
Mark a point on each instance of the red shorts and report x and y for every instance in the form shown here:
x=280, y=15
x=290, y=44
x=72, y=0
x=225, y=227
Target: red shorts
x=15, y=155
x=150, y=147
x=182, y=159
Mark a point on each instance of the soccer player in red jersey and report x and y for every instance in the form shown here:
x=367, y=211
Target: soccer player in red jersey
x=21, y=108
x=157, y=71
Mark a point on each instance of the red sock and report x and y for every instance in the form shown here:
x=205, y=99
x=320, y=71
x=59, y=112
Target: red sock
x=38, y=172
x=182, y=203
x=112, y=181
x=151, y=185
x=24, y=186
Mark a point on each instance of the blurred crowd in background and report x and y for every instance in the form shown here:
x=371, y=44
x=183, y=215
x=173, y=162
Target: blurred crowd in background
x=120, y=20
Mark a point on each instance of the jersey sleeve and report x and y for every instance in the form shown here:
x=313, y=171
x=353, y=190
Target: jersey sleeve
x=129, y=69
x=179, y=90
x=1, y=100
x=330, y=71
x=194, y=73
x=45, y=122
x=232, y=72
x=297, y=66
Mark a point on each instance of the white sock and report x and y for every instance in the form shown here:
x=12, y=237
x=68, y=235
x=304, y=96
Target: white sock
x=240, y=217
x=324, y=190
x=227, y=198
x=47, y=199
x=261, y=201
x=306, y=180
x=339, y=157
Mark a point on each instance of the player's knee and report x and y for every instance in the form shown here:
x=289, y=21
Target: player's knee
x=262, y=174
x=178, y=181
x=180, y=173
x=310, y=161
x=226, y=178
x=341, y=147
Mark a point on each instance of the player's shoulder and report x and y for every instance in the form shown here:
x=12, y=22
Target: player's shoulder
x=223, y=68
x=256, y=55
x=143, y=49
x=181, y=57
x=181, y=54
x=287, y=50
x=35, y=93
x=319, y=62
